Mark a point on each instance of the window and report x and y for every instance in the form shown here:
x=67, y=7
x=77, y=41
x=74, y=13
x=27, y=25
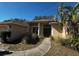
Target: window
x=35, y=30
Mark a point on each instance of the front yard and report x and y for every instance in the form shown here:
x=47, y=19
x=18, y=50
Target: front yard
x=19, y=47
x=58, y=50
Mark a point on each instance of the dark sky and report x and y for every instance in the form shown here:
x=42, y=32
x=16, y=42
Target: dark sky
x=28, y=10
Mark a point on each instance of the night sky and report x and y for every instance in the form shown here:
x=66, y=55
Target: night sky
x=28, y=10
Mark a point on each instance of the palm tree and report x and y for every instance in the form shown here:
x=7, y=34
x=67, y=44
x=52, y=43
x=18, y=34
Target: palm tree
x=73, y=18
x=61, y=13
x=69, y=16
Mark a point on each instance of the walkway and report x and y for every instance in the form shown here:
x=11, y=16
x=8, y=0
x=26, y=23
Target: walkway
x=42, y=49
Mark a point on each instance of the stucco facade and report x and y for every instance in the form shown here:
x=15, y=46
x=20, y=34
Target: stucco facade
x=44, y=28
x=15, y=28
x=56, y=30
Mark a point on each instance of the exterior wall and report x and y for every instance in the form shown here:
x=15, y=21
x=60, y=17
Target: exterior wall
x=4, y=27
x=17, y=30
x=64, y=32
x=40, y=29
x=56, y=31
x=31, y=27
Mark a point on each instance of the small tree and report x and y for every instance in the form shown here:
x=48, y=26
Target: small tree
x=69, y=18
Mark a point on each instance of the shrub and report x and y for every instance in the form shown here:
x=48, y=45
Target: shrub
x=35, y=38
x=11, y=40
x=15, y=40
x=32, y=38
x=65, y=42
x=51, y=37
x=3, y=36
x=71, y=43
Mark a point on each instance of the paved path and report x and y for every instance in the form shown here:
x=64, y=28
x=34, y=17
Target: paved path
x=42, y=49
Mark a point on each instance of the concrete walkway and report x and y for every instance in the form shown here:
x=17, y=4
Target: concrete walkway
x=41, y=50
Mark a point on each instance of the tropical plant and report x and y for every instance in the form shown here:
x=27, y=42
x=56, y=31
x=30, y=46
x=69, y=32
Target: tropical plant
x=68, y=15
x=32, y=38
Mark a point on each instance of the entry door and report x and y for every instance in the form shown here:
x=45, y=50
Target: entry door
x=47, y=30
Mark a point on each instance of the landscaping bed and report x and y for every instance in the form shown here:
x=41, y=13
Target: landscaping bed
x=20, y=46
x=71, y=43
x=57, y=49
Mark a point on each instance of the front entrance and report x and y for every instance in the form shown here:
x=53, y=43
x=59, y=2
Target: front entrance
x=42, y=30
x=47, y=30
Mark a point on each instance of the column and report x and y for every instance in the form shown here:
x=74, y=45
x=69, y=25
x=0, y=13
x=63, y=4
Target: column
x=64, y=32
x=51, y=30
x=40, y=30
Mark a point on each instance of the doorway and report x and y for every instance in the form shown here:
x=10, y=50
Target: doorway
x=47, y=30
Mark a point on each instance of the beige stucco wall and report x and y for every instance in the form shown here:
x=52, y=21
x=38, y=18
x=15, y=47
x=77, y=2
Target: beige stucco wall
x=64, y=32
x=56, y=31
x=18, y=30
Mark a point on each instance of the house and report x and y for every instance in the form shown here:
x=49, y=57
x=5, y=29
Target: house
x=46, y=28
x=14, y=29
x=43, y=28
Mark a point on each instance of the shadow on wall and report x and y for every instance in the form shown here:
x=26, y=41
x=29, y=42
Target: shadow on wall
x=30, y=38
x=6, y=38
x=58, y=27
